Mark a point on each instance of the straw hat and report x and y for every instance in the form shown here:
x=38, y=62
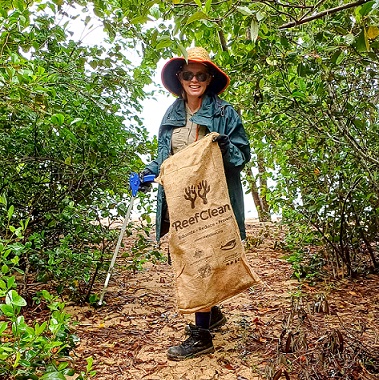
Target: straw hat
x=197, y=54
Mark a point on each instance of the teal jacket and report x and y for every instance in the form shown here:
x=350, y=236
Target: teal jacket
x=217, y=116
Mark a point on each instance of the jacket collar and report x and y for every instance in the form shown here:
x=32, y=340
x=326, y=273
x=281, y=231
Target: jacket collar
x=211, y=106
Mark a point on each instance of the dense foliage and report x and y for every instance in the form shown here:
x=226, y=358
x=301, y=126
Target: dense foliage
x=304, y=78
x=70, y=135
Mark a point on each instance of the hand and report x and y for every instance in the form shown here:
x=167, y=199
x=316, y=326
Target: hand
x=223, y=142
x=144, y=187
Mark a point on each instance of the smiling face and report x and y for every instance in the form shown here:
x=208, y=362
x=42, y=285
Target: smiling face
x=196, y=86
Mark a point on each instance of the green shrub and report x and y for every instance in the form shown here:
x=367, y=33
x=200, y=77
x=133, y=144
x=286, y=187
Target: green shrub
x=39, y=350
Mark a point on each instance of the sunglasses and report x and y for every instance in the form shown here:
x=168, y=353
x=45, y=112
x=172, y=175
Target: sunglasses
x=188, y=75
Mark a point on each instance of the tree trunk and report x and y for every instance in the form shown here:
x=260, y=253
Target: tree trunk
x=258, y=187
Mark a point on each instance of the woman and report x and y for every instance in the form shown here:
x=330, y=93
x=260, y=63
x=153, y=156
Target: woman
x=197, y=82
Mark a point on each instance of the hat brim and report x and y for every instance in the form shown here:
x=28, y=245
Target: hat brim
x=170, y=80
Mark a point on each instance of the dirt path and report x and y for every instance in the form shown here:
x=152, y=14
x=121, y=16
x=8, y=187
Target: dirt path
x=277, y=327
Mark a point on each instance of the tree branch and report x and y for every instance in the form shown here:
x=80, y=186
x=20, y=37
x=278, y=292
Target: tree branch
x=312, y=9
x=286, y=5
x=222, y=40
x=279, y=11
x=344, y=130
x=322, y=14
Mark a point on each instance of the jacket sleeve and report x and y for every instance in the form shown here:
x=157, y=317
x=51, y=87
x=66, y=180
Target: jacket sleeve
x=164, y=142
x=154, y=166
x=239, y=148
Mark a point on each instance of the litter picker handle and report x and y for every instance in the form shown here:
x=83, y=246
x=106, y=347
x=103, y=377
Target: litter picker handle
x=134, y=182
x=121, y=235
x=148, y=178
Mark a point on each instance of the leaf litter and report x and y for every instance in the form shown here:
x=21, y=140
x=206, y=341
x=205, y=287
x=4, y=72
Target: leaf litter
x=279, y=329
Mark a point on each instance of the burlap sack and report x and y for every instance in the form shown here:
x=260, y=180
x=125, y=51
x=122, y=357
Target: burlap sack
x=204, y=241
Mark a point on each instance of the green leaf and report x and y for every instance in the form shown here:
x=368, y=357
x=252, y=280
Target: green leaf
x=140, y=19
x=302, y=70
x=164, y=42
x=89, y=363
x=10, y=211
x=3, y=199
x=62, y=366
x=197, y=16
x=338, y=57
x=87, y=20
x=93, y=64
x=7, y=310
x=13, y=298
x=57, y=119
x=4, y=269
x=366, y=8
x=19, y=4
x=260, y=16
x=69, y=135
x=183, y=50
x=271, y=61
x=3, y=327
x=298, y=94
x=39, y=329
x=24, y=224
x=77, y=120
x=11, y=281
x=53, y=376
x=17, y=359
x=245, y=11
x=208, y=5
x=254, y=29
x=362, y=43
x=69, y=372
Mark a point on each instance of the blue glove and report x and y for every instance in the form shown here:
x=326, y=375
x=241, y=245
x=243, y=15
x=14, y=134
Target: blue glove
x=144, y=187
x=223, y=142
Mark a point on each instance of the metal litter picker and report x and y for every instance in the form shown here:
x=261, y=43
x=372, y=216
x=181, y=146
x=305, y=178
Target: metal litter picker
x=134, y=183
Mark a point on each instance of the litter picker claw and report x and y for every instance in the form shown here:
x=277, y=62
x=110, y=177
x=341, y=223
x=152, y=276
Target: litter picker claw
x=134, y=182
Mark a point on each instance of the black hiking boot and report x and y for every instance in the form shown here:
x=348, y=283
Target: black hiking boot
x=198, y=343
x=218, y=319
